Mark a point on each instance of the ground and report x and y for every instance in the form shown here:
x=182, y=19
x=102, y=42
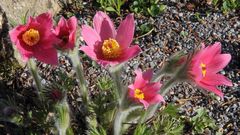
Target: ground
x=177, y=28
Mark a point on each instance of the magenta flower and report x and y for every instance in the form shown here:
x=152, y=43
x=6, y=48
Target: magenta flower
x=143, y=90
x=204, y=67
x=106, y=45
x=35, y=39
x=66, y=32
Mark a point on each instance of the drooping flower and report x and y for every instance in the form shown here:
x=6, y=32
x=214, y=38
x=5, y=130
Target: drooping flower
x=205, y=65
x=106, y=45
x=35, y=39
x=144, y=91
x=66, y=32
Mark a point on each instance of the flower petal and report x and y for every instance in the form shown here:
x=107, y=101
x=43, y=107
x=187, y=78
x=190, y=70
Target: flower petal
x=61, y=24
x=72, y=23
x=21, y=46
x=145, y=103
x=156, y=99
x=211, y=88
x=14, y=33
x=151, y=89
x=89, y=51
x=216, y=79
x=131, y=91
x=106, y=30
x=105, y=63
x=142, y=78
x=45, y=18
x=129, y=53
x=215, y=48
x=210, y=52
x=98, y=20
x=90, y=36
x=48, y=56
x=218, y=63
x=125, y=31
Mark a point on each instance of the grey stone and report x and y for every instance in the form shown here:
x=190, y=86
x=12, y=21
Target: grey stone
x=15, y=9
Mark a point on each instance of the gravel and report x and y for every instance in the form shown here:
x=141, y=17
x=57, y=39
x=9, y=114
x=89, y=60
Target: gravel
x=174, y=30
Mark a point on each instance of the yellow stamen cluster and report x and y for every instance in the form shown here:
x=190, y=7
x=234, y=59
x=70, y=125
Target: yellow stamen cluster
x=31, y=37
x=204, y=70
x=111, y=49
x=138, y=94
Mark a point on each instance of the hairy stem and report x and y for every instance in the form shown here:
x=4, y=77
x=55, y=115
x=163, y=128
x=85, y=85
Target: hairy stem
x=118, y=122
x=33, y=70
x=121, y=95
x=80, y=74
x=157, y=77
x=62, y=117
x=116, y=76
x=120, y=116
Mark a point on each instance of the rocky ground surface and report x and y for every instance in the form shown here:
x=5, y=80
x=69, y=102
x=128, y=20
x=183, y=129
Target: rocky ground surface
x=16, y=9
x=176, y=29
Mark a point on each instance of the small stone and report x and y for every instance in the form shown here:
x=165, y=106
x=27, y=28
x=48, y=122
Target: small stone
x=180, y=14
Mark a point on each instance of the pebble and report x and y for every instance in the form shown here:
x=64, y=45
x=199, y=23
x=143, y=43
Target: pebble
x=167, y=40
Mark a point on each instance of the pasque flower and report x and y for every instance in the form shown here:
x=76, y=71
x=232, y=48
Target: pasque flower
x=35, y=39
x=144, y=91
x=205, y=65
x=106, y=45
x=66, y=32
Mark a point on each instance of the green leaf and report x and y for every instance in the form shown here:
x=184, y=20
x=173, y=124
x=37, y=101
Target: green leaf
x=97, y=131
x=155, y=9
x=62, y=117
x=135, y=3
x=24, y=18
x=171, y=110
x=145, y=28
x=215, y=2
x=162, y=8
x=202, y=121
x=142, y=130
x=105, y=83
x=184, y=33
x=110, y=9
x=177, y=131
x=69, y=131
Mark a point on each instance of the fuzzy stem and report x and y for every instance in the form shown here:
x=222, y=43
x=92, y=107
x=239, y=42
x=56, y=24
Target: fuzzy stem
x=167, y=86
x=33, y=70
x=62, y=132
x=116, y=75
x=118, y=122
x=157, y=77
x=121, y=116
x=80, y=75
x=63, y=117
x=121, y=95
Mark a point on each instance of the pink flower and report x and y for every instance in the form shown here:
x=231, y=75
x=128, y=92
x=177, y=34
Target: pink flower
x=106, y=45
x=66, y=32
x=35, y=39
x=204, y=67
x=143, y=90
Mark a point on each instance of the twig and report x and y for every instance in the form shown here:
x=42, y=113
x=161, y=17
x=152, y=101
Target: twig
x=145, y=34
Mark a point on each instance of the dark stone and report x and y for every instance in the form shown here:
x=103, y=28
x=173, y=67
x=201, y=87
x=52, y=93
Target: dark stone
x=6, y=50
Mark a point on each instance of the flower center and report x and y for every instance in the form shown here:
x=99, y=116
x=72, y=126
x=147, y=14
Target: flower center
x=111, y=49
x=31, y=37
x=204, y=71
x=65, y=39
x=138, y=94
